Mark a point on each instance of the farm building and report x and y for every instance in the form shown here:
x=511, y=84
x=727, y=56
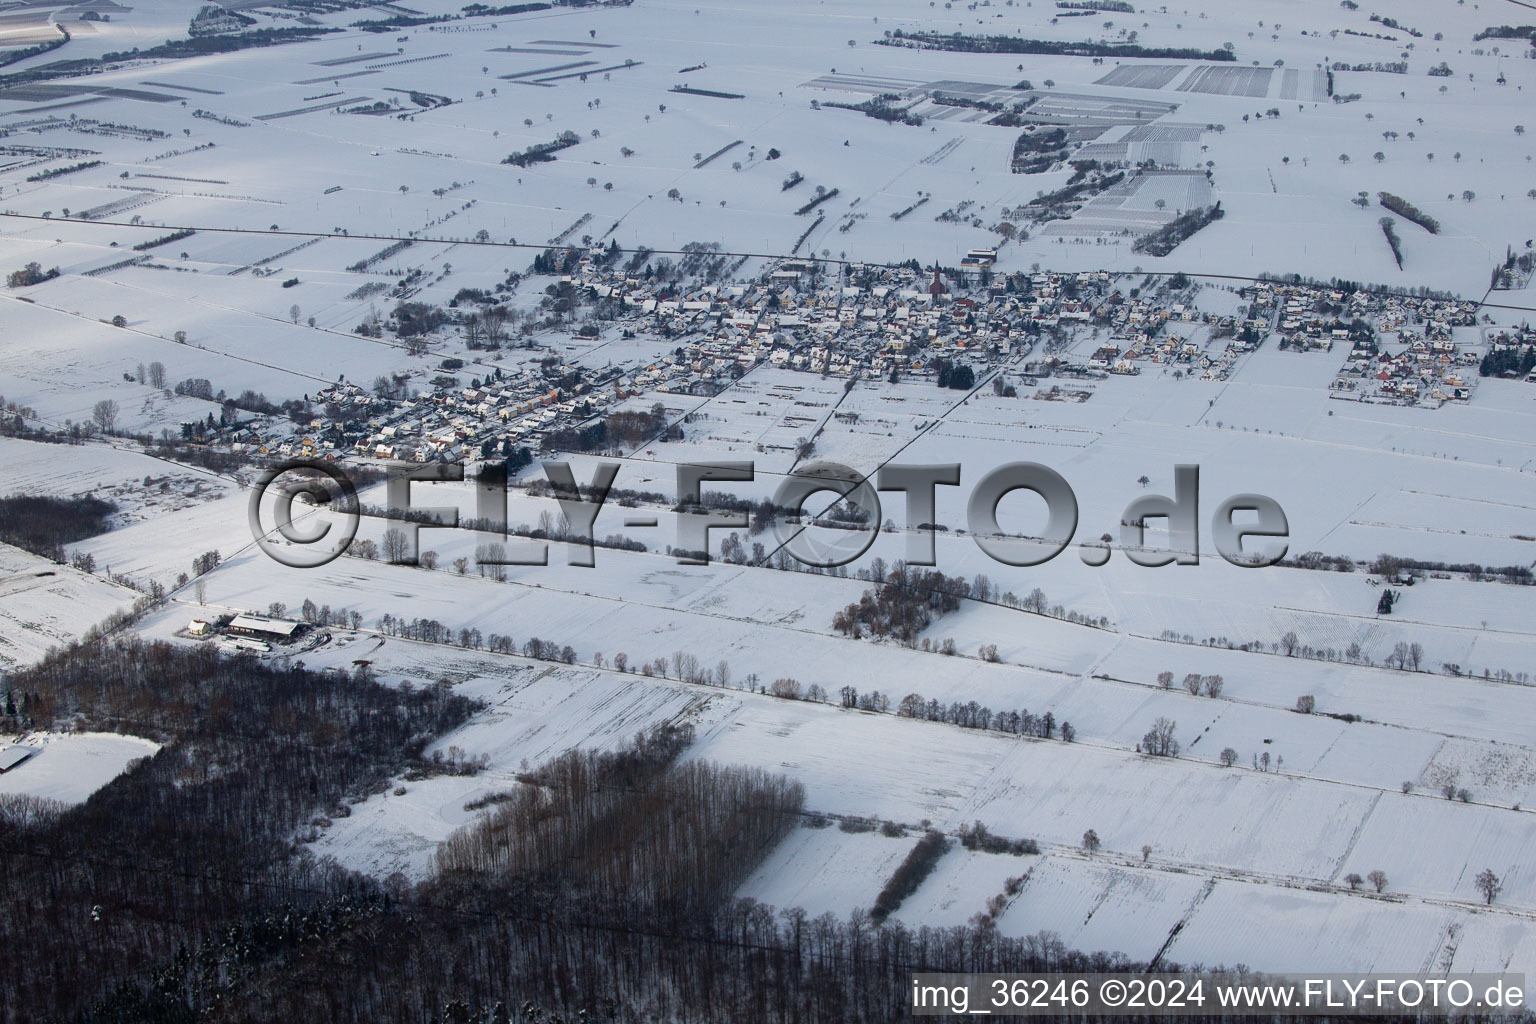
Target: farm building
x=979, y=258
x=262, y=627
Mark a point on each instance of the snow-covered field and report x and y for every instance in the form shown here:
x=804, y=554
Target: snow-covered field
x=298, y=208
x=43, y=605
x=69, y=767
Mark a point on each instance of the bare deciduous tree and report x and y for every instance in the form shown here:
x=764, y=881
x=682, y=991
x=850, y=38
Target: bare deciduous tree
x=1488, y=885
x=104, y=415
x=788, y=689
x=1159, y=741
x=397, y=546
x=491, y=559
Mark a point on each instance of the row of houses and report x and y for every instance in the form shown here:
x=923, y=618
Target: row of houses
x=1422, y=372
x=866, y=322
x=1313, y=316
x=873, y=322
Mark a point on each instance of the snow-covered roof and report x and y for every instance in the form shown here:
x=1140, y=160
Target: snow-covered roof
x=263, y=624
x=10, y=757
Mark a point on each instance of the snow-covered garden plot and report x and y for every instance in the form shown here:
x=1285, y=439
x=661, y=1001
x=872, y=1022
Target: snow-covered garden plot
x=1228, y=81
x=1496, y=773
x=69, y=767
x=1283, y=928
x=245, y=323
x=1489, y=941
x=826, y=870
x=1441, y=520
x=1021, y=639
x=538, y=711
x=1099, y=905
x=61, y=365
x=1431, y=702
x=167, y=513
x=875, y=424
x=881, y=775
x=961, y=884
x=44, y=605
x=1192, y=813
x=1467, y=838
x=1119, y=211
x=37, y=468
x=1175, y=190
x=1142, y=76
x=162, y=544
x=391, y=832
x=1373, y=755
x=1090, y=111
x=1168, y=143
x=761, y=419
x=215, y=252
